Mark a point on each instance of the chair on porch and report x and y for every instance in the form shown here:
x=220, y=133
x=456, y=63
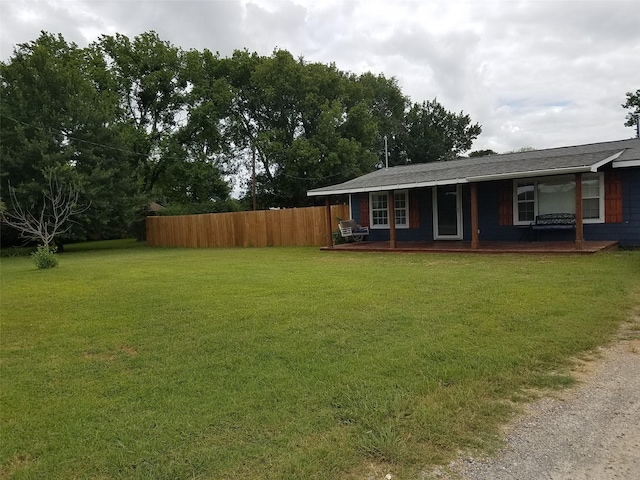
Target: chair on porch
x=350, y=229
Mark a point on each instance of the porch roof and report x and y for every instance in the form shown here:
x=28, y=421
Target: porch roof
x=553, y=161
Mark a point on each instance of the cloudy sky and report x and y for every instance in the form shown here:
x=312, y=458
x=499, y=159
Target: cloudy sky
x=533, y=73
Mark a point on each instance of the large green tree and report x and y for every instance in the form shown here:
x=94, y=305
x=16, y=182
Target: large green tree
x=147, y=75
x=56, y=121
x=170, y=117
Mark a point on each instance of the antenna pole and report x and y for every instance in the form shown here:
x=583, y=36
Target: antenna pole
x=386, y=153
x=253, y=177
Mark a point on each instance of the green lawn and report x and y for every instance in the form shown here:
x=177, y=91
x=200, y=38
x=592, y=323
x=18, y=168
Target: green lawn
x=284, y=363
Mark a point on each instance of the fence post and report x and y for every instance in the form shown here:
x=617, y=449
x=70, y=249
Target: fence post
x=327, y=204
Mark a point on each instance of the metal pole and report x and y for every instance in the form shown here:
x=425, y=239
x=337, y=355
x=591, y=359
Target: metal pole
x=386, y=153
x=253, y=178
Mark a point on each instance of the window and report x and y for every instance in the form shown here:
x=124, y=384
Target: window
x=591, y=197
x=557, y=195
x=379, y=209
x=526, y=201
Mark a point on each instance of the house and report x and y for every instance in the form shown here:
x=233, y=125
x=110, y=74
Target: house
x=498, y=197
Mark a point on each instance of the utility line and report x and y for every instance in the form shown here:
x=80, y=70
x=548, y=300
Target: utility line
x=52, y=131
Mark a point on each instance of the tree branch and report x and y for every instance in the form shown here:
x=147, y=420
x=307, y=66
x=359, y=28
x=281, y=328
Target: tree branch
x=59, y=204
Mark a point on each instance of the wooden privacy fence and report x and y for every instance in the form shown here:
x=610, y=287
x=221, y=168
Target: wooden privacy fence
x=262, y=228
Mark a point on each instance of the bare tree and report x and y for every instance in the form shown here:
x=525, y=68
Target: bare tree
x=43, y=223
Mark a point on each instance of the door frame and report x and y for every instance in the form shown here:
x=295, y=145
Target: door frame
x=459, y=223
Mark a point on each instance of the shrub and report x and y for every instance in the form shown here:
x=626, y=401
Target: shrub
x=45, y=257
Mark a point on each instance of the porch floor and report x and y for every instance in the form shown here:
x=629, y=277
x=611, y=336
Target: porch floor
x=485, y=247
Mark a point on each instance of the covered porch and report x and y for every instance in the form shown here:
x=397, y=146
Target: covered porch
x=448, y=214
x=575, y=198
x=587, y=247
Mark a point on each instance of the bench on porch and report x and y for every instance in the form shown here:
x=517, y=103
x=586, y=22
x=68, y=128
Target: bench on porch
x=553, y=221
x=350, y=229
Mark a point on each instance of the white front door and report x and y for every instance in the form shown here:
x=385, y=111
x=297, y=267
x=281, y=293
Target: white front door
x=447, y=212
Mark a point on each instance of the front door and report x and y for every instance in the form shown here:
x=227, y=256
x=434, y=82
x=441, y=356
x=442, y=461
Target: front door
x=447, y=212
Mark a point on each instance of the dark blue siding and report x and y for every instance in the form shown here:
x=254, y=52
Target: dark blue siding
x=423, y=233
x=627, y=233
x=488, y=215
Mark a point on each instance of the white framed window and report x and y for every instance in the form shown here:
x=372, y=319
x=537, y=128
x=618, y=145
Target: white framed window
x=379, y=209
x=592, y=198
x=557, y=195
x=525, y=201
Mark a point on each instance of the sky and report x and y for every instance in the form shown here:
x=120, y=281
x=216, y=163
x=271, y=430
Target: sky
x=533, y=73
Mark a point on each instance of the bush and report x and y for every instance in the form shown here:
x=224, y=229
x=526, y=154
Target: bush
x=45, y=257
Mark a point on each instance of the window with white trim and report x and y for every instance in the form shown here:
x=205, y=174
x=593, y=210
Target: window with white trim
x=592, y=198
x=525, y=198
x=557, y=195
x=379, y=209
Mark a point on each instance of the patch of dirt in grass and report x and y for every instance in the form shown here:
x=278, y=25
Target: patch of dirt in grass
x=374, y=471
x=128, y=350
x=110, y=356
x=15, y=464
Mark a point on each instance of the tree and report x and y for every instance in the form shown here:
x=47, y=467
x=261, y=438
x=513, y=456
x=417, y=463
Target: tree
x=633, y=116
x=202, y=143
x=386, y=106
x=301, y=122
x=59, y=115
x=44, y=221
x=172, y=106
x=435, y=134
x=147, y=75
x=522, y=150
x=481, y=153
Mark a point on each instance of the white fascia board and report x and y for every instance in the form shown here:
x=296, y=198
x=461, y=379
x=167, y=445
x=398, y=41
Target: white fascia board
x=385, y=188
x=626, y=163
x=596, y=166
x=529, y=174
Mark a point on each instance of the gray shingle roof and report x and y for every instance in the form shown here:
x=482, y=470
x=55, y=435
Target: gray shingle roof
x=581, y=158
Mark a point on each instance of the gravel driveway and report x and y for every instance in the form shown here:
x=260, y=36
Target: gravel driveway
x=588, y=432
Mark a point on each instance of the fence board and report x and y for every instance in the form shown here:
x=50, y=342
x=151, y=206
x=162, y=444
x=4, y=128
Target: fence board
x=278, y=228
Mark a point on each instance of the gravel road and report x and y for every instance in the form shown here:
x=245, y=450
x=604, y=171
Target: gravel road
x=589, y=432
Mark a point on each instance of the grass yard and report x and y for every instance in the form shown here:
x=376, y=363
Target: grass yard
x=285, y=363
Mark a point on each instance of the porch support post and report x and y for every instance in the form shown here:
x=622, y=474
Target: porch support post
x=475, y=240
x=579, y=224
x=329, y=233
x=392, y=218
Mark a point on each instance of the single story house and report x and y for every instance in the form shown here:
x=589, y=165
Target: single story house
x=498, y=197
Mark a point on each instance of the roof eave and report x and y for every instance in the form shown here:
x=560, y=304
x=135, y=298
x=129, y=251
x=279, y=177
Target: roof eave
x=626, y=163
x=384, y=188
x=601, y=163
